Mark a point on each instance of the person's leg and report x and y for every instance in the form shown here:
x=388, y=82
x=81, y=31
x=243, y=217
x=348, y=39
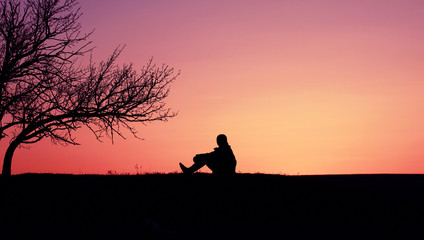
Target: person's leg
x=212, y=165
x=199, y=162
x=196, y=166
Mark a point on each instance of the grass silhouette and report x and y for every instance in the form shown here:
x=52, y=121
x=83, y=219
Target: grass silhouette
x=176, y=206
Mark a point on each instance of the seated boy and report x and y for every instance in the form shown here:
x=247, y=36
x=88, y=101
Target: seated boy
x=221, y=161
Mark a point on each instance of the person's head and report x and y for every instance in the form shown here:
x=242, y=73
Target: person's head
x=221, y=140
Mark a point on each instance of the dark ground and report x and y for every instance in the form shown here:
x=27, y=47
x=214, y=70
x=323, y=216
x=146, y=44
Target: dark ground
x=203, y=206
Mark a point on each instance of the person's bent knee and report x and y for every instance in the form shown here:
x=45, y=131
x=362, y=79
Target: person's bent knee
x=199, y=159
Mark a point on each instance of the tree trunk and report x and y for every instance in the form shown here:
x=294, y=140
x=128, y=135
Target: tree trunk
x=7, y=162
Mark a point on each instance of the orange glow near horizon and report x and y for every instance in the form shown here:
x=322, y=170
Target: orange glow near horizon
x=299, y=87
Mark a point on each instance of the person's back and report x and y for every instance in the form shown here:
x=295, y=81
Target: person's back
x=224, y=161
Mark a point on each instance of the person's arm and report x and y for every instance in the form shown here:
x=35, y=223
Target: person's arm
x=202, y=156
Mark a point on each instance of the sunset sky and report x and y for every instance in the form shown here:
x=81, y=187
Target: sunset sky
x=299, y=87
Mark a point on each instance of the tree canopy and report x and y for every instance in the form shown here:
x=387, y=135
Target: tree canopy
x=45, y=93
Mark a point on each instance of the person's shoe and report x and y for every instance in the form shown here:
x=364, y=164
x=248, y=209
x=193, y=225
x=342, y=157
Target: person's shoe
x=184, y=169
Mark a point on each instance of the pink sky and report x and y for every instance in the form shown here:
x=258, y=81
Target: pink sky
x=299, y=87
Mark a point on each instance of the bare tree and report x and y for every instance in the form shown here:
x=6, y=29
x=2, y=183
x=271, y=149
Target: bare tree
x=44, y=94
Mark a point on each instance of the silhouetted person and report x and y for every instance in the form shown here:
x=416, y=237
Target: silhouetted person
x=221, y=161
